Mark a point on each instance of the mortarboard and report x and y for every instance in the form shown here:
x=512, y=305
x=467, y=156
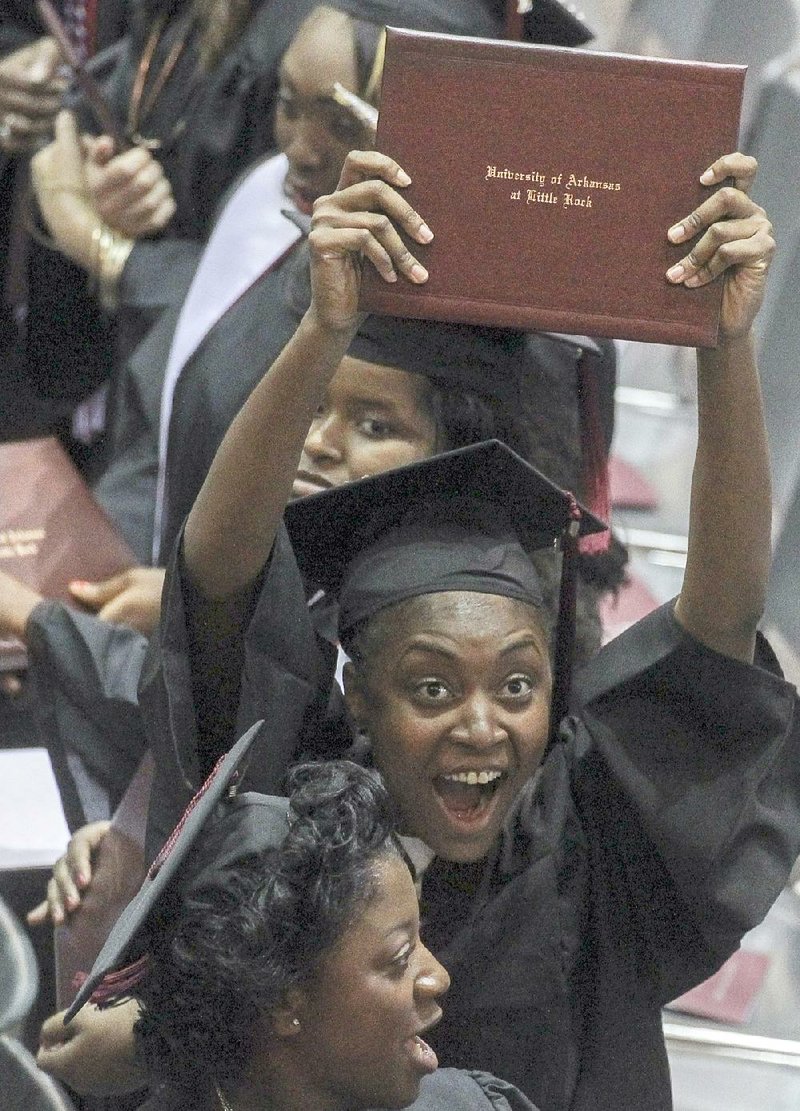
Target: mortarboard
x=544, y=21
x=464, y=520
x=489, y=361
x=218, y=829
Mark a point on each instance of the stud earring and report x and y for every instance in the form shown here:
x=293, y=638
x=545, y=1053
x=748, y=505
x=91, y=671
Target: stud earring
x=295, y=1022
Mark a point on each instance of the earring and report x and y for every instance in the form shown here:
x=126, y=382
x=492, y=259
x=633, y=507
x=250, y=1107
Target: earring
x=295, y=1022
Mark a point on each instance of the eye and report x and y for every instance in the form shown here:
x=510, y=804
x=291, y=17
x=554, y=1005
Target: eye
x=375, y=428
x=517, y=688
x=346, y=130
x=399, y=964
x=432, y=690
x=287, y=105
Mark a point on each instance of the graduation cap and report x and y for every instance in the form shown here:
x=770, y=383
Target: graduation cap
x=218, y=829
x=544, y=21
x=488, y=361
x=464, y=520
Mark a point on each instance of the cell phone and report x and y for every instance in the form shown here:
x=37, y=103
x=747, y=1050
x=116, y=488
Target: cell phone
x=108, y=122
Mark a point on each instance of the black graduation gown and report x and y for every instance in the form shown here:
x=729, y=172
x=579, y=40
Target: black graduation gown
x=658, y=831
x=85, y=670
x=229, y=125
x=444, y=1090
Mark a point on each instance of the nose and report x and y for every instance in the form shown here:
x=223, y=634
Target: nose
x=305, y=149
x=433, y=979
x=323, y=442
x=479, y=725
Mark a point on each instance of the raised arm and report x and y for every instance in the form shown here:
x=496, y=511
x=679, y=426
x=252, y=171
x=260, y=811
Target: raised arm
x=232, y=525
x=728, y=558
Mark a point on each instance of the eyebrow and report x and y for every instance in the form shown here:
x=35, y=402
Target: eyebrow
x=421, y=643
x=524, y=640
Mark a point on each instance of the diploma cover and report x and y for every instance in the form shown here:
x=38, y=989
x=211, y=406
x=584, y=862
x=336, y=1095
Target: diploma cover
x=549, y=177
x=52, y=529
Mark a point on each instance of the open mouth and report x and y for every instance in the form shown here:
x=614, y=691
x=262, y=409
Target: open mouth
x=422, y=1055
x=467, y=796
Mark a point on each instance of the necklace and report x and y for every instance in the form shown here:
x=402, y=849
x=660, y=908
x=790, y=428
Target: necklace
x=221, y=1097
x=143, y=100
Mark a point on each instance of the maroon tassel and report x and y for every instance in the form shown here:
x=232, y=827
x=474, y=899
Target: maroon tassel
x=564, y=645
x=166, y=848
x=116, y=985
x=594, y=478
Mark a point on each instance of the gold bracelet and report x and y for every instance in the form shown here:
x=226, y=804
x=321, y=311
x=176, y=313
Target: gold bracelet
x=113, y=251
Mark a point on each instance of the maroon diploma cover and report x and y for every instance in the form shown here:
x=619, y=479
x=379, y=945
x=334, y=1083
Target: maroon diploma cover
x=52, y=530
x=549, y=177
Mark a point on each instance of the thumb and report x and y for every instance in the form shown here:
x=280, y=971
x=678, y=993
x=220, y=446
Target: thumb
x=38, y=916
x=98, y=594
x=67, y=138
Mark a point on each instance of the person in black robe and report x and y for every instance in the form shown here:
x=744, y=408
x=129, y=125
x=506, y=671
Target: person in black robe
x=84, y=681
x=30, y=91
x=284, y=965
x=207, y=122
x=662, y=820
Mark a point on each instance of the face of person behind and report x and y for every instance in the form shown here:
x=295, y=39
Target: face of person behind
x=455, y=698
x=372, y=997
x=313, y=131
x=372, y=418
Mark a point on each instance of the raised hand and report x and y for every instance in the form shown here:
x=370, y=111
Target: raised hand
x=736, y=243
x=356, y=223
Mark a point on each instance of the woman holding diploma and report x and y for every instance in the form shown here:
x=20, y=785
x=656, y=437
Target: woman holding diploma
x=575, y=888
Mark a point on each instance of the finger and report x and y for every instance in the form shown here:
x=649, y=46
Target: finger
x=123, y=168
x=80, y=849
x=39, y=914
x=55, y=906
x=30, y=105
x=10, y=685
x=65, y=895
x=24, y=127
x=741, y=167
x=360, y=165
x=380, y=228
x=100, y=151
x=727, y=203
x=371, y=197
x=331, y=243
x=53, y=1031
x=98, y=594
x=145, y=200
x=739, y=243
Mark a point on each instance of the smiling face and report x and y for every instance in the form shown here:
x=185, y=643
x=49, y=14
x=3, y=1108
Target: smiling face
x=372, y=997
x=313, y=131
x=455, y=697
x=372, y=418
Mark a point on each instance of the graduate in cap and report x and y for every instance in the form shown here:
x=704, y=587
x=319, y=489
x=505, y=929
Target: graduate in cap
x=584, y=869
x=274, y=952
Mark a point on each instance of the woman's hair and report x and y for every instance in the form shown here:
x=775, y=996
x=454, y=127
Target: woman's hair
x=219, y=23
x=225, y=954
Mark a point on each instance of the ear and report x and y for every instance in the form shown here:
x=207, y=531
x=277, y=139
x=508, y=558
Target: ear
x=287, y=1017
x=355, y=697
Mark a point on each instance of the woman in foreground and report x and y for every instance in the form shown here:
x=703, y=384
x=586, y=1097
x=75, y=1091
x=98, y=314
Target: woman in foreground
x=575, y=889
x=274, y=951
